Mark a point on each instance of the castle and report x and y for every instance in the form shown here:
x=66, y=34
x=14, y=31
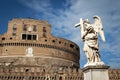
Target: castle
x=28, y=51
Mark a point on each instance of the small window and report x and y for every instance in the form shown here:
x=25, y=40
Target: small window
x=77, y=49
x=34, y=28
x=53, y=41
x=59, y=42
x=3, y=38
x=44, y=35
x=60, y=78
x=34, y=37
x=45, y=40
x=71, y=45
x=33, y=77
x=10, y=38
x=14, y=27
x=8, y=77
x=24, y=36
x=6, y=50
x=29, y=37
x=53, y=78
x=26, y=70
x=44, y=29
x=43, y=70
x=25, y=28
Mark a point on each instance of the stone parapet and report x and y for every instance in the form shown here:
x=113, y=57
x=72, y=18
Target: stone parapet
x=96, y=73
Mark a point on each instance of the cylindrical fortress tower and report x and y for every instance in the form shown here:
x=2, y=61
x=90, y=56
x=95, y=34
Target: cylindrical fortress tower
x=29, y=42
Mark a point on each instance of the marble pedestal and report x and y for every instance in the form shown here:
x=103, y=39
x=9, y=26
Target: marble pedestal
x=96, y=73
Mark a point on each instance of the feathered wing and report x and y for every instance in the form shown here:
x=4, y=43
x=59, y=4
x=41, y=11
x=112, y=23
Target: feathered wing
x=98, y=27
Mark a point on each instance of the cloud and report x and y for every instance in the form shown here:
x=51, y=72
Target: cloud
x=63, y=20
x=39, y=6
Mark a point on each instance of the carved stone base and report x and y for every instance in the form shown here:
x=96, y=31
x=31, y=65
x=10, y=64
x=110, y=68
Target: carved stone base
x=96, y=73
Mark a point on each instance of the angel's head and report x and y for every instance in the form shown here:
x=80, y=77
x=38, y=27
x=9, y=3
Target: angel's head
x=86, y=21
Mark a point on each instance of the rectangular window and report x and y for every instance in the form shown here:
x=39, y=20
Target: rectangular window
x=34, y=37
x=44, y=29
x=29, y=37
x=24, y=36
x=25, y=28
x=14, y=27
x=34, y=28
x=44, y=35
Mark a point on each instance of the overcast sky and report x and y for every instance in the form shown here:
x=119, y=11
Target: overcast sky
x=64, y=14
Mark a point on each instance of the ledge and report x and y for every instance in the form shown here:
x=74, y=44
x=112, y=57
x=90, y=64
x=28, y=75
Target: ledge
x=96, y=67
x=42, y=46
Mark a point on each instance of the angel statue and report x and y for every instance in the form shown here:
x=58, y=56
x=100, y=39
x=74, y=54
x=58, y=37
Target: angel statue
x=89, y=35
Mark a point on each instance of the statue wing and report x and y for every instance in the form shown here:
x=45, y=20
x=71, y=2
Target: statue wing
x=98, y=27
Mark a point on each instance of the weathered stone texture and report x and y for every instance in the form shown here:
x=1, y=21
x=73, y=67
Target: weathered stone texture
x=46, y=49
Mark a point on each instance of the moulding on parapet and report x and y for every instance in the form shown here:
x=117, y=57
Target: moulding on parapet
x=96, y=67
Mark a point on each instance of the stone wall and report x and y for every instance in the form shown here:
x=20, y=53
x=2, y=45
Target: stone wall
x=40, y=73
x=114, y=74
x=47, y=73
x=32, y=38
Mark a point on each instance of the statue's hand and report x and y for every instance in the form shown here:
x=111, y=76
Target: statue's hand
x=89, y=29
x=77, y=25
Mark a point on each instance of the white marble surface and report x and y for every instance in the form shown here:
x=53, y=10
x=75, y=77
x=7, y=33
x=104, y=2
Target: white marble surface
x=89, y=35
x=96, y=74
